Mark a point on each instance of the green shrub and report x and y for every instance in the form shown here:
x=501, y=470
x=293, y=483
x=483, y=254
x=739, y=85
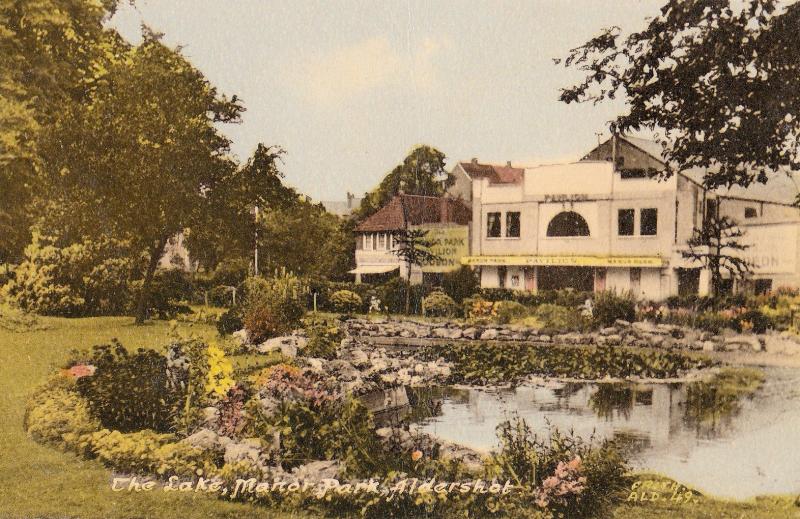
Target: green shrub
x=610, y=306
x=129, y=392
x=711, y=322
x=59, y=416
x=324, y=338
x=346, y=302
x=559, y=318
x=273, y=306
x=439, y=304
x=231, y=321
x=393, y=295
x=751, y=320
x=17, y=320
x=508, y=311
x=80, y=279
x=460, y=284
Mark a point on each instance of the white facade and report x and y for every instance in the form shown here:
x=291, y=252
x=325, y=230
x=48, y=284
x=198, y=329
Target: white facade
x=592, y=225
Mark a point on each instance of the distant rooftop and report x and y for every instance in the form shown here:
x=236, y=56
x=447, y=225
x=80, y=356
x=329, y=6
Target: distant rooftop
x=496, y=174
x=342, y=207
x=405, y=210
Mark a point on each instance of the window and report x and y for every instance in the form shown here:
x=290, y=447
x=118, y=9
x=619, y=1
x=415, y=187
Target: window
x=368, y=241
x=514, y=281
x=512, y=224
x=382, y=241
x=493, y=225
x=374, y=241
x=501, y=276
x=750, y=212
x=648, y=226
x=625, y=222
x=568, y=223
x=633, y=173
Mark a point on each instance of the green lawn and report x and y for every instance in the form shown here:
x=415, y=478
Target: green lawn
x=38, y=481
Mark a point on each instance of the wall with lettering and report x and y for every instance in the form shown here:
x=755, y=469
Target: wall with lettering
x=452, y=244
x=773, y=248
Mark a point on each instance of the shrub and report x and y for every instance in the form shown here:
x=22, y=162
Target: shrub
x=129, y=392
x=272, y=306
x=230, y=321
x=460, y=284
x=221, y=295
x=324, y=338
x=393, y=295
x=508, y=311
x=439, y=304
x=16, y=320
x=610, y=306
x=753, y=321
x=85, y=278
x=711, y=322
x=346, y=302
x=557, y=317
x=59, y=416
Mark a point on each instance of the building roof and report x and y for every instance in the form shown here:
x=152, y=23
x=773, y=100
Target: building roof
x=496, y=174
x=406, y=210
x=780, y=188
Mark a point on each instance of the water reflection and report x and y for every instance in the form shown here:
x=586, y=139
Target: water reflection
x=729, y=439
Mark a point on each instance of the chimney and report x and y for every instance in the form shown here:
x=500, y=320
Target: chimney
x=508, y=163
x=474, y=160
x=350, y=198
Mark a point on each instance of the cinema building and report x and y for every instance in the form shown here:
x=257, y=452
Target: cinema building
x=604, y=223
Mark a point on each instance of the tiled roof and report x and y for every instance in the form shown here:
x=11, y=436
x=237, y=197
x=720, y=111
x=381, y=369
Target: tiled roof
x=495, y=174
x=405, y=210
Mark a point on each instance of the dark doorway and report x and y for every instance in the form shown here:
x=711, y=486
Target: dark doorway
x=688, y=282
x=578, y=278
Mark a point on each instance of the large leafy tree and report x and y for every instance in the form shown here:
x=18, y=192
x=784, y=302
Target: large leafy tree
x=421, y=173
x=53, y=53
x=719, y=81
x=140, y=156
x=718, y=247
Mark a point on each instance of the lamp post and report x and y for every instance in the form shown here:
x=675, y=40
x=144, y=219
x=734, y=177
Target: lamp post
x=255, y=247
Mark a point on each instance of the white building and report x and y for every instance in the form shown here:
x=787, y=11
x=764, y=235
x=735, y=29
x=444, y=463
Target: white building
x=603, y=223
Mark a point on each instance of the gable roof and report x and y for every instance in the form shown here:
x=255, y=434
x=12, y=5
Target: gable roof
x=496, y=174
x=406, y=210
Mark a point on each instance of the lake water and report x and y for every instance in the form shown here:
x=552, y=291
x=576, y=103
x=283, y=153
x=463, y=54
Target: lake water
x=748, y=447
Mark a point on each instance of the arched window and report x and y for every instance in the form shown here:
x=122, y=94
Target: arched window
x=568, y=223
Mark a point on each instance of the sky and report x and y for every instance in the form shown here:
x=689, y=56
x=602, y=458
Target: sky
x=348, y=88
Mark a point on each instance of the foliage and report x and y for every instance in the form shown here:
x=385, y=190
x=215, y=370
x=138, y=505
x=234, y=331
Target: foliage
x=324, y=338
x=346, y=302
x=439, y=304
x=413, y=249
x=487, y=363
x=609, y=306
x=59, y=416
x=717, y=246
x=461, y=283
x=509, y=311
x=559, y=318
x=14, y=319
x=273, y=306
x=85, y=278
x=219, y=374
x=231, y=321
x=395, y=292
x=421, y=173
x=144, y=170
x=707, y=74
x=129, y=392
x=712, y=322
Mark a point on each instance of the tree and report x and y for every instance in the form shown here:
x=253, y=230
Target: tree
x=421, y=173
x=142, y=154
x=720, y=79
x=716, y=247
x=53, y=53
x=413, y=248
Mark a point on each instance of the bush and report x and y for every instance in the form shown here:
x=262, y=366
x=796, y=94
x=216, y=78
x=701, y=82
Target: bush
x=80, y=279
x=610, y=306
x=59, y=416
x=129, y=392
x=460, y=284
x=711, y=322
x=346, y=302
x=508, y=311
x=393, y=295
x=324, y=338
x=221, y=295
x=559, y=318
x=439, y=304
x=751, y=321
x=273, y=306
x=231, y=321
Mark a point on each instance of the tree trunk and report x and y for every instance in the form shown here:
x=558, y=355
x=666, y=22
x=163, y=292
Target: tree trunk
x=144, y=294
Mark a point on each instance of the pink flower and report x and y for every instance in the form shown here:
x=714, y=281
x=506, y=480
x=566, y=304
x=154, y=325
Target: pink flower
x=81, y=370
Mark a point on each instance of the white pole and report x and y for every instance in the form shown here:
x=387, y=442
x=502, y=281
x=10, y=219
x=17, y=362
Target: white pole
x=255, y=252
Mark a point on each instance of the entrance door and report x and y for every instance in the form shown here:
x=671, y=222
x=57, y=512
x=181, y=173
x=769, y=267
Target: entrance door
x=688, y=281
x=554, y=278
x=530, y=279
x=636, y=281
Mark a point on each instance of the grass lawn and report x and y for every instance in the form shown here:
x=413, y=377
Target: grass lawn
x=38, y=481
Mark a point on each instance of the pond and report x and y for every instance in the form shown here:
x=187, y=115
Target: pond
x=736, y=446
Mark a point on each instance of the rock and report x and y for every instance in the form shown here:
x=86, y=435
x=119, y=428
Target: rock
x=270, y=345
x=544, y=338
x=317, y=471
x=469, y=333
x=314, y=364
x=268, y=405
x=245, y=450
x=609, y=330
x=241, y=336
x=613, y=340
x=622, y=323
x=210, y=415
x=783, y=344
x=289, y=350
x=204, y=439
x=737, y=342
x=709, y=346
x=357, y=357
x=489, y=334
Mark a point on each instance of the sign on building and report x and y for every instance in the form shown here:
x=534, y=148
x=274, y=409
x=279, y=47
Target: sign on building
x=452, y=244
x=773, y=248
